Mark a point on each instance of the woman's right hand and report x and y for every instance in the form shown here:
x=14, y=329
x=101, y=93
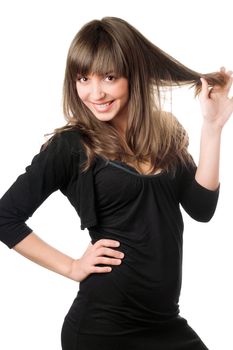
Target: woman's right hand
x=99, y=253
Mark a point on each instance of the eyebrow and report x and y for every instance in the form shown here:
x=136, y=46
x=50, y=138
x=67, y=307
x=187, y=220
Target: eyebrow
x=100, y=74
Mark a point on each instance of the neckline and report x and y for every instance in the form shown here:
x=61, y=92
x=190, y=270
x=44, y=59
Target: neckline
x=130, y=169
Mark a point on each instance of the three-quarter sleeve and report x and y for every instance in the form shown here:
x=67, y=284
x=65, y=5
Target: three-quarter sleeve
x=48, y=172
x=199, y=202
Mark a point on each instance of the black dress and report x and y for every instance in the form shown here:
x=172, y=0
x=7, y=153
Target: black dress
x=136, y=305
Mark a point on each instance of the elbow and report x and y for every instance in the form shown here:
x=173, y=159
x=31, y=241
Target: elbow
x=202, y=215
x=200, y=203
x=203, y=219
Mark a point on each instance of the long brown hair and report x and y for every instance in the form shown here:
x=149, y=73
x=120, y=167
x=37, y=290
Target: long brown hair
x=152, y=135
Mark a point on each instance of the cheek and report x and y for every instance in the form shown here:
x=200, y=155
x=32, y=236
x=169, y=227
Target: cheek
x=82, y=93
x=125, y=96
x=124, y=90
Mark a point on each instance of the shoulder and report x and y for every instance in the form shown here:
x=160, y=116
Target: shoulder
x=64, y=141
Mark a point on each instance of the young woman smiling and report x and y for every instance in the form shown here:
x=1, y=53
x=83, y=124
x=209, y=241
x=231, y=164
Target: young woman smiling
x=124, y=165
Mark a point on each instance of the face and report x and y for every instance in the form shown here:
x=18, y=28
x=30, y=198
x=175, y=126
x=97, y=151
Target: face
x=106, y=96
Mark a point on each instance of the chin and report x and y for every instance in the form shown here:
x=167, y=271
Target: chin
x=104, y=117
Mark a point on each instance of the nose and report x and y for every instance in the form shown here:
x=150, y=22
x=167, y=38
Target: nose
x=97, y=92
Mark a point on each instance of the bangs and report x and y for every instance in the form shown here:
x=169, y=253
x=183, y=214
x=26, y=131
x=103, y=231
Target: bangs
x=98, y=54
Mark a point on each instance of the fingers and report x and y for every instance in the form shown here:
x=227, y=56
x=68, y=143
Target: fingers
x=223, y=70
x=217, y=91
x=109, y=252
x=100, y=253
x=96, y=269
x=204, y=89
x=107, y=243
x=108, y=261
x=228, y=85
x=105, y=255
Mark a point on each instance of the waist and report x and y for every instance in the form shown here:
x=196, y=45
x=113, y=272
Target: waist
x=106, y=306
x=126, y=287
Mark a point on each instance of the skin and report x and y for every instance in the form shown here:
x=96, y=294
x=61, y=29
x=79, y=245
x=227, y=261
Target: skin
x=216, y=108
x=106, y=96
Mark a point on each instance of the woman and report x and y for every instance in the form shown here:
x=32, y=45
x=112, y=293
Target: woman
x=124, y=165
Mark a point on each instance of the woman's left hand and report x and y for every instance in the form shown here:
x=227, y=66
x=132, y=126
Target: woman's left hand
x=216, y=105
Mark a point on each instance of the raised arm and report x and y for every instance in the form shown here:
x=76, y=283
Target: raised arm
x=216, y=109
x=199, y=187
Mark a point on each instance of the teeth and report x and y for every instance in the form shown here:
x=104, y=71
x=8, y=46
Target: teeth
x=104, y=105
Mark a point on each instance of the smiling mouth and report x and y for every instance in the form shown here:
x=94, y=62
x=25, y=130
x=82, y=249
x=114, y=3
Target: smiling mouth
x=103, y=107
x=103, y=104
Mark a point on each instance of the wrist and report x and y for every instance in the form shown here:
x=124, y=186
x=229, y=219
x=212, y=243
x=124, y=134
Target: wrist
x=74, y=272
x=212, y=129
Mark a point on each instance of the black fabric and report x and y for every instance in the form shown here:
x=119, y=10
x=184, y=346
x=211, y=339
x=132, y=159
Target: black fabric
x=57, y=167
x=114, y=201
x=143, y=213
x=177, y=335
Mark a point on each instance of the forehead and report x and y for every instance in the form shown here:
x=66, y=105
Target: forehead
x=99, y=66
x=95, y=51
x=98, y=74
x=100, y=60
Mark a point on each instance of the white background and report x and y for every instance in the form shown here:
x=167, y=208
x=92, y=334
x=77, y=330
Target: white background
x=34, y=39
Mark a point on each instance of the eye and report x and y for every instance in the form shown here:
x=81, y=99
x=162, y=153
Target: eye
x=110, y=77
x=82, y=79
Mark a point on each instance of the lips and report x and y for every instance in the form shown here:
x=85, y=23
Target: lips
x=102, y=107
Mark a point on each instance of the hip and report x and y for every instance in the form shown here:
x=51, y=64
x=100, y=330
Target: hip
x=173, y=335
x=102, y=305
